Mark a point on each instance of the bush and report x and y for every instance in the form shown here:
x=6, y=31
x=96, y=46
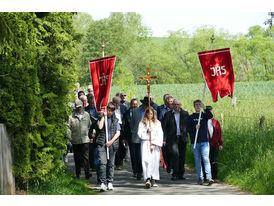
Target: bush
x=38, y=68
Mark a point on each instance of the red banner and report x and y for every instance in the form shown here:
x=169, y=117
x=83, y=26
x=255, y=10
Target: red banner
x=101, y=75
x=218, y=72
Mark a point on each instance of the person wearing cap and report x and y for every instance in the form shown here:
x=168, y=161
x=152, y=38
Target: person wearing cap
x=137, y=116
x=79, y=124
x=106, y=166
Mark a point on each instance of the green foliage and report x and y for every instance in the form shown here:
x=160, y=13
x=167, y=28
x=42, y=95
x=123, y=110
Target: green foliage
x=38, y=74
x=119, y=33
x=174, y=58
x=64, y=183
x=125, y=80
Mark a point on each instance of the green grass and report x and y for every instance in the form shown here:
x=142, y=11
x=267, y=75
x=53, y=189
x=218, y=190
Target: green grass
x=63, y=184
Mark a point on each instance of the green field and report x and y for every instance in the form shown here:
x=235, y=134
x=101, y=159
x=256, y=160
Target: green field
x=248, y=156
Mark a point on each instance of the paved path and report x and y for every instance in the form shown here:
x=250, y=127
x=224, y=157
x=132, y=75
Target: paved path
x=125, y=184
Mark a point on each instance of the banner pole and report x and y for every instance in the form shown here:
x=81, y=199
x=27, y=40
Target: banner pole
x=200, y=113
x=106, y=120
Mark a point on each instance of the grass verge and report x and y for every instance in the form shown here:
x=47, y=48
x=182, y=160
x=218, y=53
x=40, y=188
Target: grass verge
x=63, y=184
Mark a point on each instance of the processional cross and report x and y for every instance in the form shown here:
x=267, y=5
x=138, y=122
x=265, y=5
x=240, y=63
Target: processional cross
x=147, y=78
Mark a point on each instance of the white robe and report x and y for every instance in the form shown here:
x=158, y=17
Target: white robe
x=151, y=160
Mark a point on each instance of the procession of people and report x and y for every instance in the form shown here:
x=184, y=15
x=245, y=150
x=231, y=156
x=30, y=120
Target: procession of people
x=142, y=134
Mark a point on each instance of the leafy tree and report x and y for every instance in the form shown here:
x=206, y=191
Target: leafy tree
x=39, y=68
x=119, y=32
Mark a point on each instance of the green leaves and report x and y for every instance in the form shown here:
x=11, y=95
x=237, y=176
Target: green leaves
x=40, y=67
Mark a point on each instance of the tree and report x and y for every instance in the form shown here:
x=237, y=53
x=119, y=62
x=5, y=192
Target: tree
x=119, y=32
x=39, y=64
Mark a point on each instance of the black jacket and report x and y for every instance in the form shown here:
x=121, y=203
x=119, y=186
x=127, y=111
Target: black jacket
x=170, y=128
x=101, y=138
x=126, y=125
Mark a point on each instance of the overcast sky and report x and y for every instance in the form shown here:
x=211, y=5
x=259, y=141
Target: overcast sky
x=162, y=15
x=162, y=22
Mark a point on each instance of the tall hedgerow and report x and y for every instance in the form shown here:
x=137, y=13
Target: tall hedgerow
x=37, y=71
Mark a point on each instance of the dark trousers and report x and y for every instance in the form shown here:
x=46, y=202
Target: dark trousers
x=165, y=156
x=177, y=154
x=136, y=159
x=132, y=154
x=80, y=154
x=92, y=155
x=120, y=154
x=106, y=167
x=213, y=157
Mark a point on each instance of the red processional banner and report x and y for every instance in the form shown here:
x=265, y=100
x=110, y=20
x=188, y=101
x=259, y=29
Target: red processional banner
x=101, y=75
x=218, y=72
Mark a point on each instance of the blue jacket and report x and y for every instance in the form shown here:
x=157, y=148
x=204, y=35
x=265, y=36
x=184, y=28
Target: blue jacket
x=193, y=121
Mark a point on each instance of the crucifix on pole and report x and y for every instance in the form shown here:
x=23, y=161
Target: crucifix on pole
x=147, y=78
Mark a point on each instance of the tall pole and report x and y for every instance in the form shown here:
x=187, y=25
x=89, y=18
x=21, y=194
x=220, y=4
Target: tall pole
x=200, y=113
x=147, y=78
x=106, y=120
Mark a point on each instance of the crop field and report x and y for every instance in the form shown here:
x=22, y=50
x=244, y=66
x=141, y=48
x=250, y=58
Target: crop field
x=248, y=131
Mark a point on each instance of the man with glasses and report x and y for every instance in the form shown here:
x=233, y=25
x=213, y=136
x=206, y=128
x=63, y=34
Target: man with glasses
x=124, y=101
x=175, y=135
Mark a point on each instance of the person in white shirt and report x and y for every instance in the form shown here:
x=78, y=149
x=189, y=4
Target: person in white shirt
x=150, y=152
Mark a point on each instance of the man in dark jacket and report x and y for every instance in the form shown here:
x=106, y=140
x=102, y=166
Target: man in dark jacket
x=120, y=109
x=175, y=135
x=202, y=146
x=161, y=110
x=106, y=166
x=127, y=131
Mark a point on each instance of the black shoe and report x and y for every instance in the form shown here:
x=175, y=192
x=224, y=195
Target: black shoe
x=139, y=176
x=174, y=178
x=88, y=175
x=181, y=178
x=168, y=170
x=200, y=182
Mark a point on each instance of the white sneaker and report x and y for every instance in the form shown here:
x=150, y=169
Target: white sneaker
x=110, y=186
x=103, y=187
x=66, y=159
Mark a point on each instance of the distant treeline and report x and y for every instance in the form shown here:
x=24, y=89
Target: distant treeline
x=174, y=58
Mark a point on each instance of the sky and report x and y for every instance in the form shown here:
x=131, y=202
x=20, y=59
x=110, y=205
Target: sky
x=162, y=22
x=233, y=16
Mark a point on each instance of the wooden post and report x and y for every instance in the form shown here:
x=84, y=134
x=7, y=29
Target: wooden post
x=7, y=182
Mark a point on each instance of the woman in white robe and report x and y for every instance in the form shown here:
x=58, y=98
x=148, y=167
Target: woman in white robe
x=150, y=154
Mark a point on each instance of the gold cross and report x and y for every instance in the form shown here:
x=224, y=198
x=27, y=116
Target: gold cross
x=104, y=79
x=148, y=77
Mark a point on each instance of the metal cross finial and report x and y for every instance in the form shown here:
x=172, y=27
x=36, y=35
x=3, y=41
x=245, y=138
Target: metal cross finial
x=212, y=38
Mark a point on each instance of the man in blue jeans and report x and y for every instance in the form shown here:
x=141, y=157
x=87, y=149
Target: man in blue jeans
x=202, y=145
